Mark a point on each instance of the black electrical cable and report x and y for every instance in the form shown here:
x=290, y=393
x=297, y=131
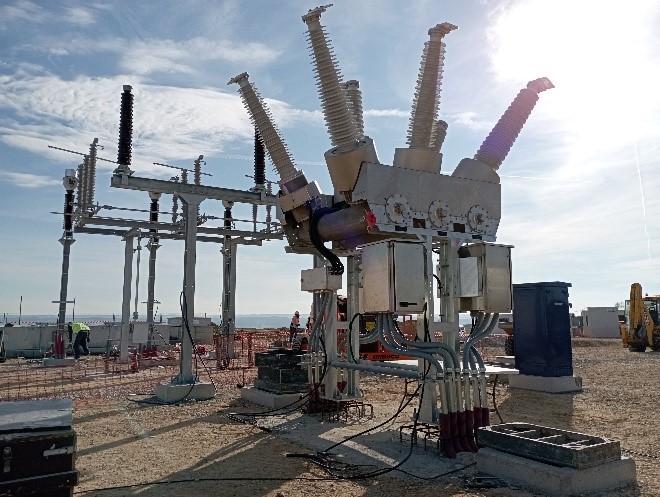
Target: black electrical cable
x=251, y=479
x=350, y=337
x=248, y=479
x=184, y=313
x=364, y=432
x=497, y=411
x=427, y=332
x=324, y=454
x=381, y=471
x=337, y=267
x=438, y=280
x=309, y=396
x=184, y=323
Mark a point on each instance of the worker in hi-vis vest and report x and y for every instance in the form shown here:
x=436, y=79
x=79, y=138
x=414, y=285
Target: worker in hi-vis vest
x=293, y=327
x=79, y=332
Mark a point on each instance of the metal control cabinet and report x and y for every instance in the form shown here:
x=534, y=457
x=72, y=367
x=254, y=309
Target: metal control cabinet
x=38, y=447
x=542, y=329
x=393, y=278
x=485, y=278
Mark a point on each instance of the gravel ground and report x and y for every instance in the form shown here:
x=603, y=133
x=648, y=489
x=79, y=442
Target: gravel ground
x=199, y=451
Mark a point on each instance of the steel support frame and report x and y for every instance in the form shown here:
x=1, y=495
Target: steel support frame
x=126, y=295
x=428, y=409
x=191, y=211
x=66, y=241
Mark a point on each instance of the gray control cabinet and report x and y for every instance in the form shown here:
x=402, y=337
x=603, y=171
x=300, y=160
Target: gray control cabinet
x=393, y=278
x=485, y=278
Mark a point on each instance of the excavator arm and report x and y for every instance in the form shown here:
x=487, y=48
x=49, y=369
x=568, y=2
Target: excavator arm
x=641, y=324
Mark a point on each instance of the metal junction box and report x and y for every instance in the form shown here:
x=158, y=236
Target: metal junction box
x=393, y=278
x=318, y=279
x=485, y=278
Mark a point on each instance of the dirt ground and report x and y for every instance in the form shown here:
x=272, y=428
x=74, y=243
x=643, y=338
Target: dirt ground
x=194, y=449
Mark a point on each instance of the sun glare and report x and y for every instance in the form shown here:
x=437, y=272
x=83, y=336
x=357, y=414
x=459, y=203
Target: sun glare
x=598, y=55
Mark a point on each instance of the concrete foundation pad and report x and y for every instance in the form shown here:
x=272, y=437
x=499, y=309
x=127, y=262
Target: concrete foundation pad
x=174, y=392
x=270, y=399
x=559, y=384
x=555, y=480
x=50, y=362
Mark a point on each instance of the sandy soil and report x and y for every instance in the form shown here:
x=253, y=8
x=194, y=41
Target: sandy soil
x=199, y=451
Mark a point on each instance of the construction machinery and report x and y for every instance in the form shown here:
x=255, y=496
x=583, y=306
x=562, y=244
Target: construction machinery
x=642, y=327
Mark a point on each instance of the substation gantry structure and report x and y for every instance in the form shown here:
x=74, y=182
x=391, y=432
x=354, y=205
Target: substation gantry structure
x=406, y=231
x=82, y=215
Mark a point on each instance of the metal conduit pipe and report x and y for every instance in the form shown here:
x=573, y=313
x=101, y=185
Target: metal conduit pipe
x=386, y=324
x=477, y=383
x=482, y=334
x=406, y=367
x=472, y=338
x=385, y=370
x=370, y=337
x=489, y=329
x=451, y=358
x=314, y=335
x=392, y=346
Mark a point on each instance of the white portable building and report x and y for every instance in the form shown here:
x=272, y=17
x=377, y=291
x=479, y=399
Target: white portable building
x=600, y=322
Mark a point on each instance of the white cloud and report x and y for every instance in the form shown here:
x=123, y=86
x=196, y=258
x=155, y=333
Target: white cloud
x=386, y=113
x=162, y=55
x=469, y=120
x=25, y=180
x=24, y=10
x=80, y=16
x=21, y=10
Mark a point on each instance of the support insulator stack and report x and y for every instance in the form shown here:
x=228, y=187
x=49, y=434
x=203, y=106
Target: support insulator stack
x=90, y=175
x=439, y=135
x=228, y=218
x=175, y=203
x=269, y=191
x=68, y=213
x=80, y=208
x=259, y=161
x=338, y=118
x=125, y=127
x=153, y=217
x=427, y=92
x=198, y=170
x=497, y=144
x=354, y=99
x=268, y=132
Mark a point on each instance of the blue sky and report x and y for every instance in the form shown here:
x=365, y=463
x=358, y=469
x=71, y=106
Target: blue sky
x=579, y=188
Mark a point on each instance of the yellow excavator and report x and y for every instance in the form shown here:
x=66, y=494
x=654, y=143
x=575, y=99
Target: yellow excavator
x=642, y=320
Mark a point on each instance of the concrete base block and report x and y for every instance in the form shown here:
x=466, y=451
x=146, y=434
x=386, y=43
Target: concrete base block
x=554, y=480
x=51, y=362
x=172, y=393
x=559, y=384
x=272, y=400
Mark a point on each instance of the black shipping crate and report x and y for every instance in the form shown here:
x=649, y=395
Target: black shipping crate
x=38, y=448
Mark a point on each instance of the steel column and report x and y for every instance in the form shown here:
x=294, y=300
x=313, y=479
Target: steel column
x=191, y=202
x=126, y=296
